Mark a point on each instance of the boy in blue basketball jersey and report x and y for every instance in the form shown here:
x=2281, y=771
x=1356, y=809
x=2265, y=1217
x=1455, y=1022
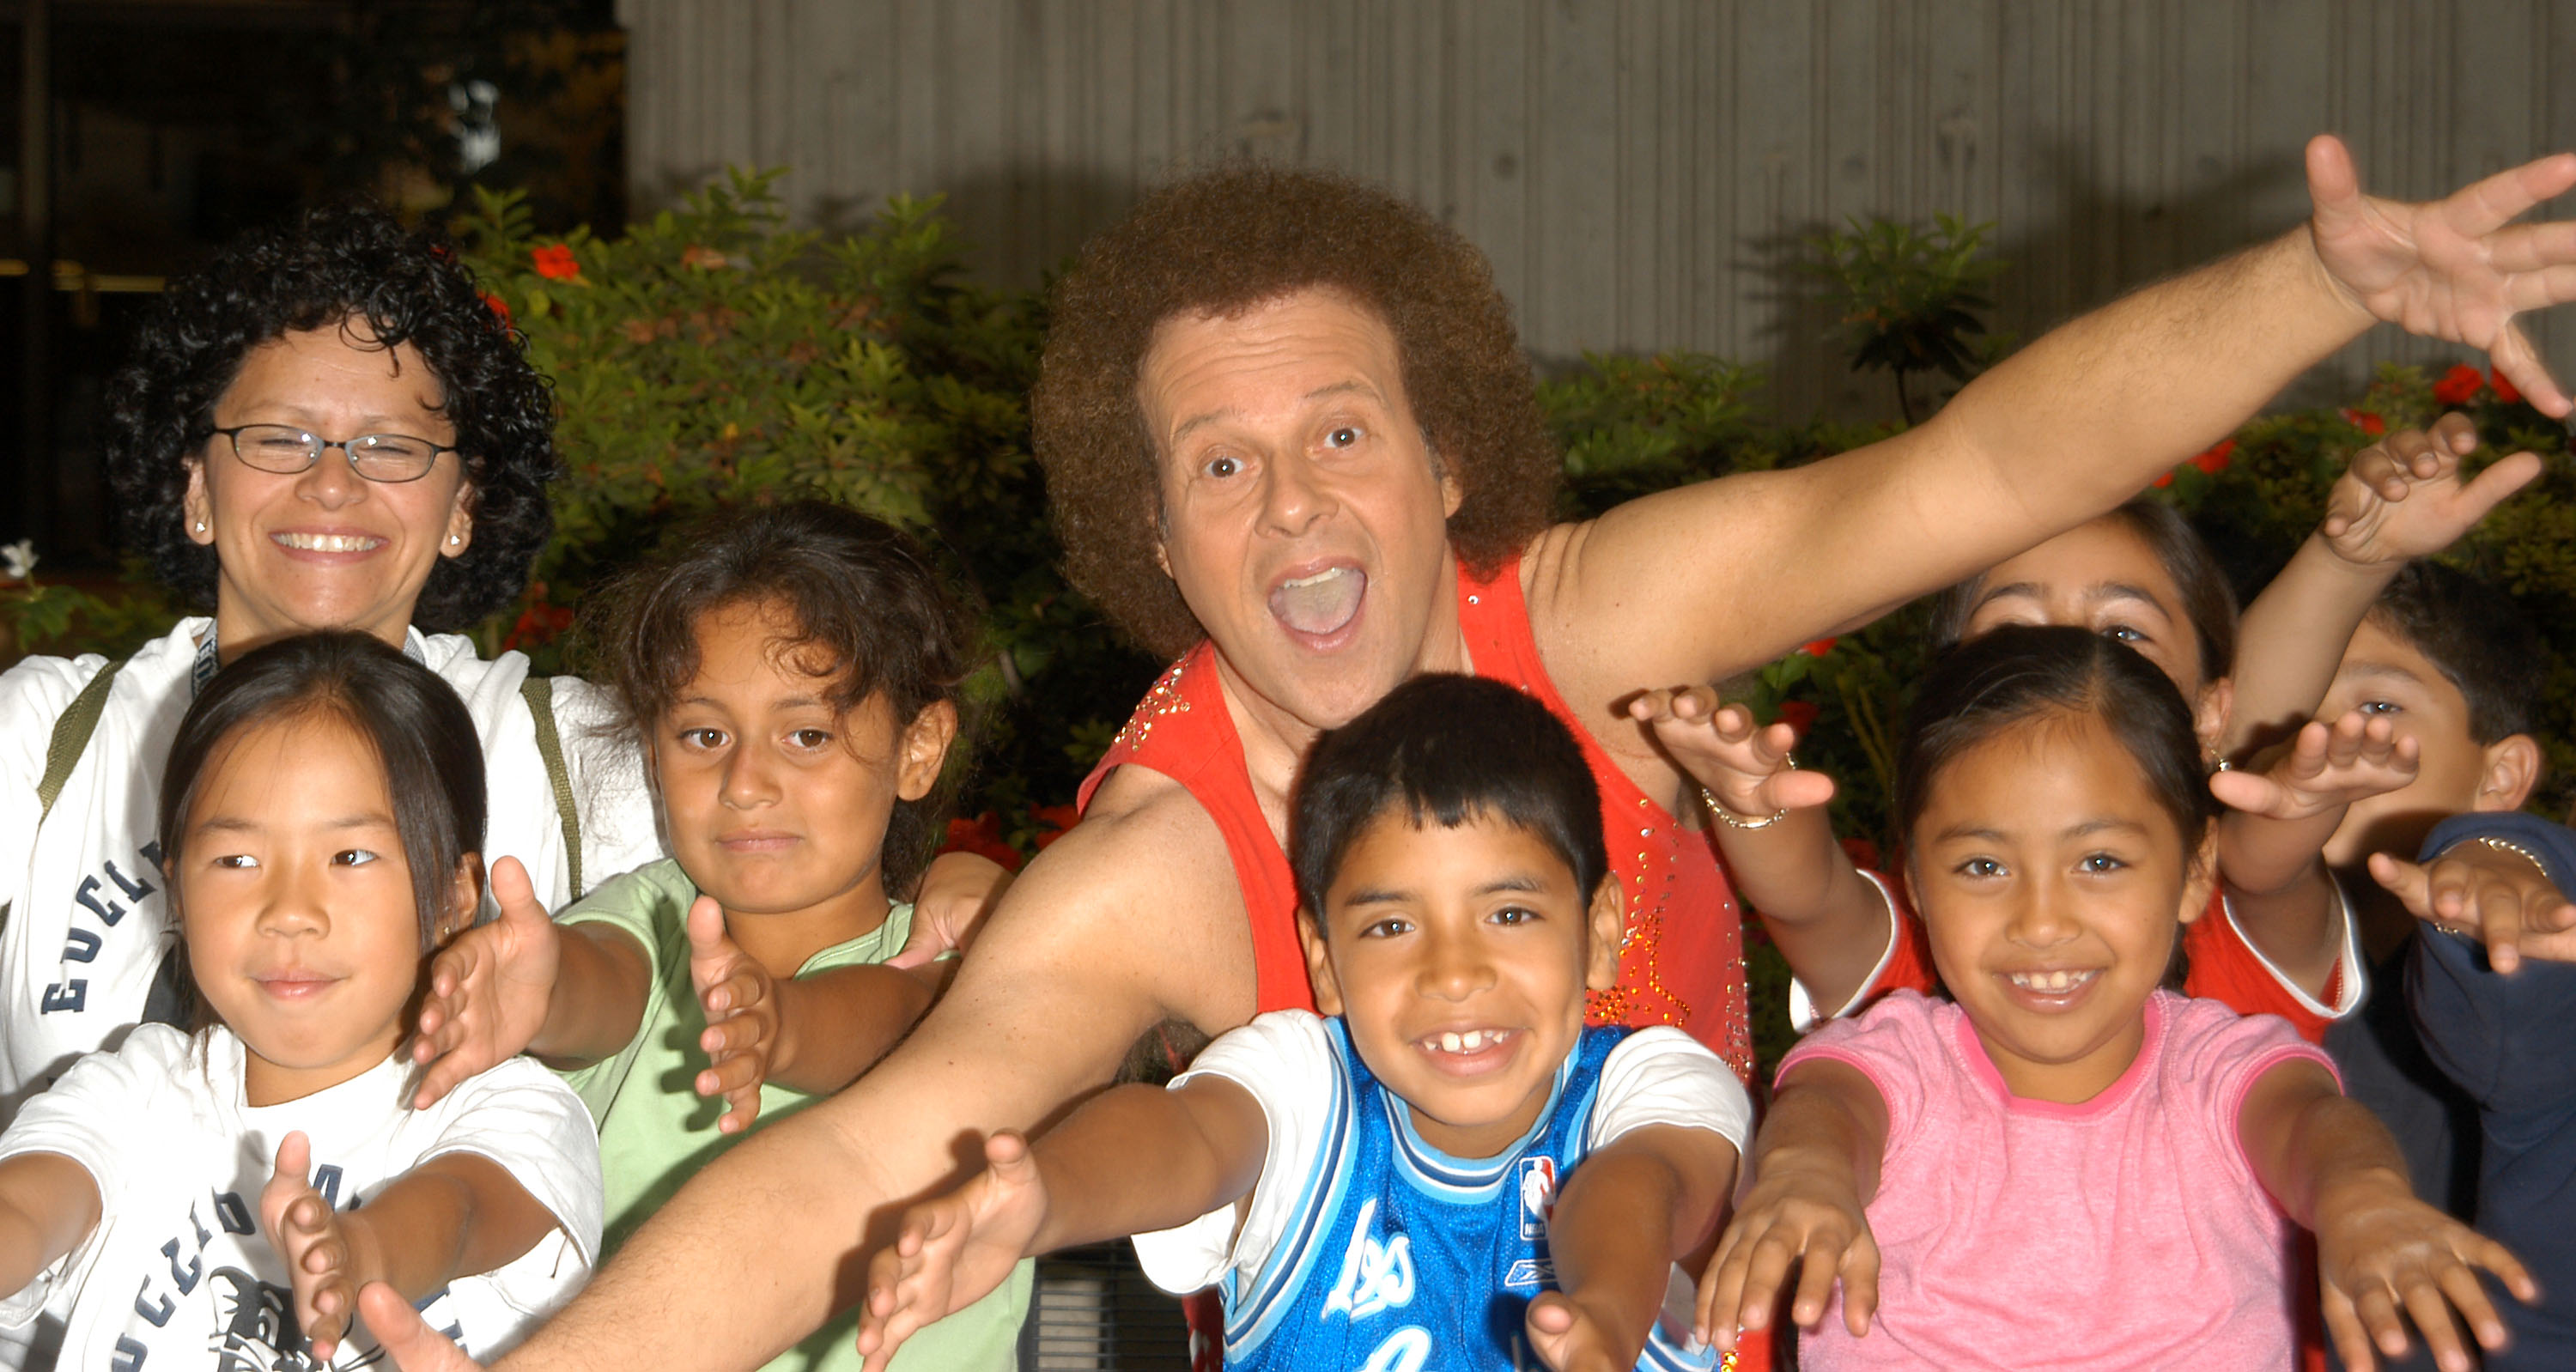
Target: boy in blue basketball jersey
x=1451, y=1170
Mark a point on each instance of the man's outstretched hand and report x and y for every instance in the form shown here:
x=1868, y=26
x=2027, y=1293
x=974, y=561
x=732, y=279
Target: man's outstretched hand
x=2455, y=268
x=413, y=1345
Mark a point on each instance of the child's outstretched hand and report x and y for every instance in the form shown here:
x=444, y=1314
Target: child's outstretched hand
x=2326, y=767
x=1794, y=1214
x=953, y=1249
x=1745, y=768
x=329, y=1254
x=489, y=989
x=2403, y=497
x=2381, y=1251
x=2497, y=897
x=1570, y=1337
x=741, y=1001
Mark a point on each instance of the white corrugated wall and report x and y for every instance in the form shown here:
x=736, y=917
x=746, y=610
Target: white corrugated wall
x=1639, y=170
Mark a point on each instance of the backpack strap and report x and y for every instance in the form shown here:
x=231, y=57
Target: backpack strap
x=539, y=693
x=70, y=740
x=71, y=737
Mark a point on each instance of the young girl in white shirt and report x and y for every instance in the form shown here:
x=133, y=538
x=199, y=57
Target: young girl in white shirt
x=198, y=1196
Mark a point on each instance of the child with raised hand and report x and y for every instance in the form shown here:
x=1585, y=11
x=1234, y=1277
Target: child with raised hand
x=2279, y=939
x=793, y=674
x=225, y=1194
x=2063, y=1164
x=1450, y=1170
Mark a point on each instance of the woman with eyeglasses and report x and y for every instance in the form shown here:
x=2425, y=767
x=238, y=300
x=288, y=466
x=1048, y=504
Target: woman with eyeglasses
x=326, y=428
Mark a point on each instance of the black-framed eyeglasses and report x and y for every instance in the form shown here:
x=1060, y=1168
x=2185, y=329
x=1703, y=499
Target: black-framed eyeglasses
x=287, y=450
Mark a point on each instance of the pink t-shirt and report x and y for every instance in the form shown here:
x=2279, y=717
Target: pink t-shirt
x=2127, y=1231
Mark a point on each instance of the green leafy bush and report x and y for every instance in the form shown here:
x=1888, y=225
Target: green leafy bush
x=711, y=356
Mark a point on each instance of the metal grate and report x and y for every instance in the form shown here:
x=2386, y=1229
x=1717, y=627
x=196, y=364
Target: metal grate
x=1094, y=1310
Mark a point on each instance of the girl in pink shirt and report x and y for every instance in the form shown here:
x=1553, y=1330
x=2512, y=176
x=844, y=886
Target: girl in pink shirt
x=2064, y=1164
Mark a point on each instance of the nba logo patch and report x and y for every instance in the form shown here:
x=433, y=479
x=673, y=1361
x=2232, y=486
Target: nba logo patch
x=1537, y=1178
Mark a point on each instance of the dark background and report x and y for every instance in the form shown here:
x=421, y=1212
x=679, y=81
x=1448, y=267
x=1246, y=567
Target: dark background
x=135, y=135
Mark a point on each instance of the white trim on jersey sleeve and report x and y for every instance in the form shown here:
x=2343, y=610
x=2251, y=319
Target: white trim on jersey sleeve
x=1802, y=1007
x=1660, y=1075
x=2350, y=977
x=1285, y=1059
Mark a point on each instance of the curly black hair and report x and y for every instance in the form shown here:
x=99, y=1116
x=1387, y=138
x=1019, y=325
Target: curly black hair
x=1221, y=242
x=337, y=266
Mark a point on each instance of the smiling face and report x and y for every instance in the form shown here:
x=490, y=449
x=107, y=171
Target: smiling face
x=1304, y=520
x=2053, y=886
x=326, y=548
x=1458, y=957
x=2104, y=577
x=296, y=903
x=777, y=802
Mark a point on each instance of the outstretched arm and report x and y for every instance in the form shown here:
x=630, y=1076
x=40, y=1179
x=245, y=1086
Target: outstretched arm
x=814, y=1034
x=2271, y=841
x=453, y=1216
x=570, y=993
x=48, y=1204
x=1828, y=920
x=1131, y=918
x=2082, y=419
x=1635, y=1206
x=1815, y=1171
x=2380, y=1251
x=2492, y=876
x=1133, y=1160
x=2402, y=498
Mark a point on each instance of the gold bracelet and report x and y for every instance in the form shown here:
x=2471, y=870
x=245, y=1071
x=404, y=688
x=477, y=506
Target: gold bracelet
x=2506, y=845
x=1727, y=815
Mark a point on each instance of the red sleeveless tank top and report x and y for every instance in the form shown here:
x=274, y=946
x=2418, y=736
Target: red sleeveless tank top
x=1682, y=961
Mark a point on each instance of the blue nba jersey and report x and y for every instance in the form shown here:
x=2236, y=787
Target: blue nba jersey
x=1402, y=1258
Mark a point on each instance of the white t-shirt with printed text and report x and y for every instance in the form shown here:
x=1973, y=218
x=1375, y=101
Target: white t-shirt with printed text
x=87, y=924
x=177, y=1273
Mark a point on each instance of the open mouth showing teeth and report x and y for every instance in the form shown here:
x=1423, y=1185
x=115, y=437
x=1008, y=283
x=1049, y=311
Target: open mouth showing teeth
x=2051, y=983
x=329, y=543
x=1322, y=603
x=1471, y=1041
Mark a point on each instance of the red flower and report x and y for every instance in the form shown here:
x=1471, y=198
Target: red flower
x=2459, y=385
x=1056, y=819
x=539, y=623
x=1818, y=648
x=500, y=308
x=2216, y=459
x=2505, y=390
x=981, y=835
x=2365, y=421
x=1798, y=714
x=1862, y=852
x=556, y=262
x=2162, y=481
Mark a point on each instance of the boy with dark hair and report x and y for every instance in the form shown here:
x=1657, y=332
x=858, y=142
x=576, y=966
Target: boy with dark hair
x=2455, y=665
x=1381, y=1188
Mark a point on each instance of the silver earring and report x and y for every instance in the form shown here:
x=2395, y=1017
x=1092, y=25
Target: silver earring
x=201, y=526
x=453, y=539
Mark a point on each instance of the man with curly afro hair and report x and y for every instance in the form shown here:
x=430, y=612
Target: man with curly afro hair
x=1291, y=438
